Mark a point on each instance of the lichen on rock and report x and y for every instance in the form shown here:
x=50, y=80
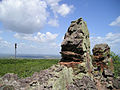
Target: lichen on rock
x=76, y=46
x=76, y=42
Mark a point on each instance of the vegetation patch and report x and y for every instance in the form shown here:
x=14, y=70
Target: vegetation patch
x=25, y=67
x=116, y=63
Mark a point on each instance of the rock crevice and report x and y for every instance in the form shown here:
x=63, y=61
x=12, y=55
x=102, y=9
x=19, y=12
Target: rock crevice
x=76, y=42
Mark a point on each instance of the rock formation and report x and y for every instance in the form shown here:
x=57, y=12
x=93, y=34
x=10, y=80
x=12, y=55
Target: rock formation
x=101, y=56
x=55, y=78
x=82, y=71
x=103, y=73
x=75, y=48
x=76, y=43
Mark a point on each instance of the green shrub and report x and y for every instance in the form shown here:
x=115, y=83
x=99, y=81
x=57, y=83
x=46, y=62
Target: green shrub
x=116, y=63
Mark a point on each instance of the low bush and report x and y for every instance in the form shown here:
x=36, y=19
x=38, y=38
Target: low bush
x=116, y=63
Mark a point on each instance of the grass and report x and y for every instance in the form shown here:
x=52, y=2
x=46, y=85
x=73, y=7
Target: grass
x=25, y=67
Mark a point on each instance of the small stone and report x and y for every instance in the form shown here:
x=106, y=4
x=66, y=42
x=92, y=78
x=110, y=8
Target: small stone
x=107, y=73
x=7, y=87
x=34, y=83
x=10, y=76
x=59, y=69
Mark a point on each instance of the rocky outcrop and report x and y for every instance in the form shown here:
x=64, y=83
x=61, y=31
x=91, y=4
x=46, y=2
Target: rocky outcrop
x=60, y=77
x=76, y=43
x=101, y=56
x=85, y=83
x=75, y=48
x=75, y=71
x=56, y=77
x=103, y=72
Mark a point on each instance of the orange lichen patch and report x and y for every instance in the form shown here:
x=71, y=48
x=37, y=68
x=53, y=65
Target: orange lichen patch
x=1, y=85
x=99, y=85
x=69, y=53
x=88, y=64
x=76, y=59
x=70, y=64
x=101, y=64
x=111, y=65
x=98, y=56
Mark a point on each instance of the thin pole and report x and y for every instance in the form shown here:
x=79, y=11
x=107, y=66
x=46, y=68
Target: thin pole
x=15, y=49
x=15, y=53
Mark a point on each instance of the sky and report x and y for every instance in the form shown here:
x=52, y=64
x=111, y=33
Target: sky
x=38, y=26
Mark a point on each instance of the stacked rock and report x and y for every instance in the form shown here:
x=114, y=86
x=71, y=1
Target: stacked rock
x=101, y=56
x=76, y=46
x=103, y=66
x=76, y=43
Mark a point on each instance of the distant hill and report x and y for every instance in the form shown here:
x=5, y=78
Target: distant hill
x=32, y=56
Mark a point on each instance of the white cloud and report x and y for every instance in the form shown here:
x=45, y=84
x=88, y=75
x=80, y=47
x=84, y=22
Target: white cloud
x=112, y=39
x=45, y=43
x=41, y=48
x=116, y=22
x=0, y=38
x=63, y=9
x=53, y=22
x=54, y=45
x=40, y=37
x=53, y=2
x=25, y=16
x=29, y=16
x=4, y=43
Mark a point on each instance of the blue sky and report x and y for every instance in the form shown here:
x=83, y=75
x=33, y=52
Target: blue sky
x=38, y=26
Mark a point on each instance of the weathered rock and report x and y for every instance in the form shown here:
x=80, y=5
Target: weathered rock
x=56, y=77
x=82, y=84
x=101, y=56
x=1, y=82
x=107, y=73
x=7, y=87
x=76, y=43
x=116, y=83
x=76, y=47
x=103, y=66
x=10, y=76
x=101, y=51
